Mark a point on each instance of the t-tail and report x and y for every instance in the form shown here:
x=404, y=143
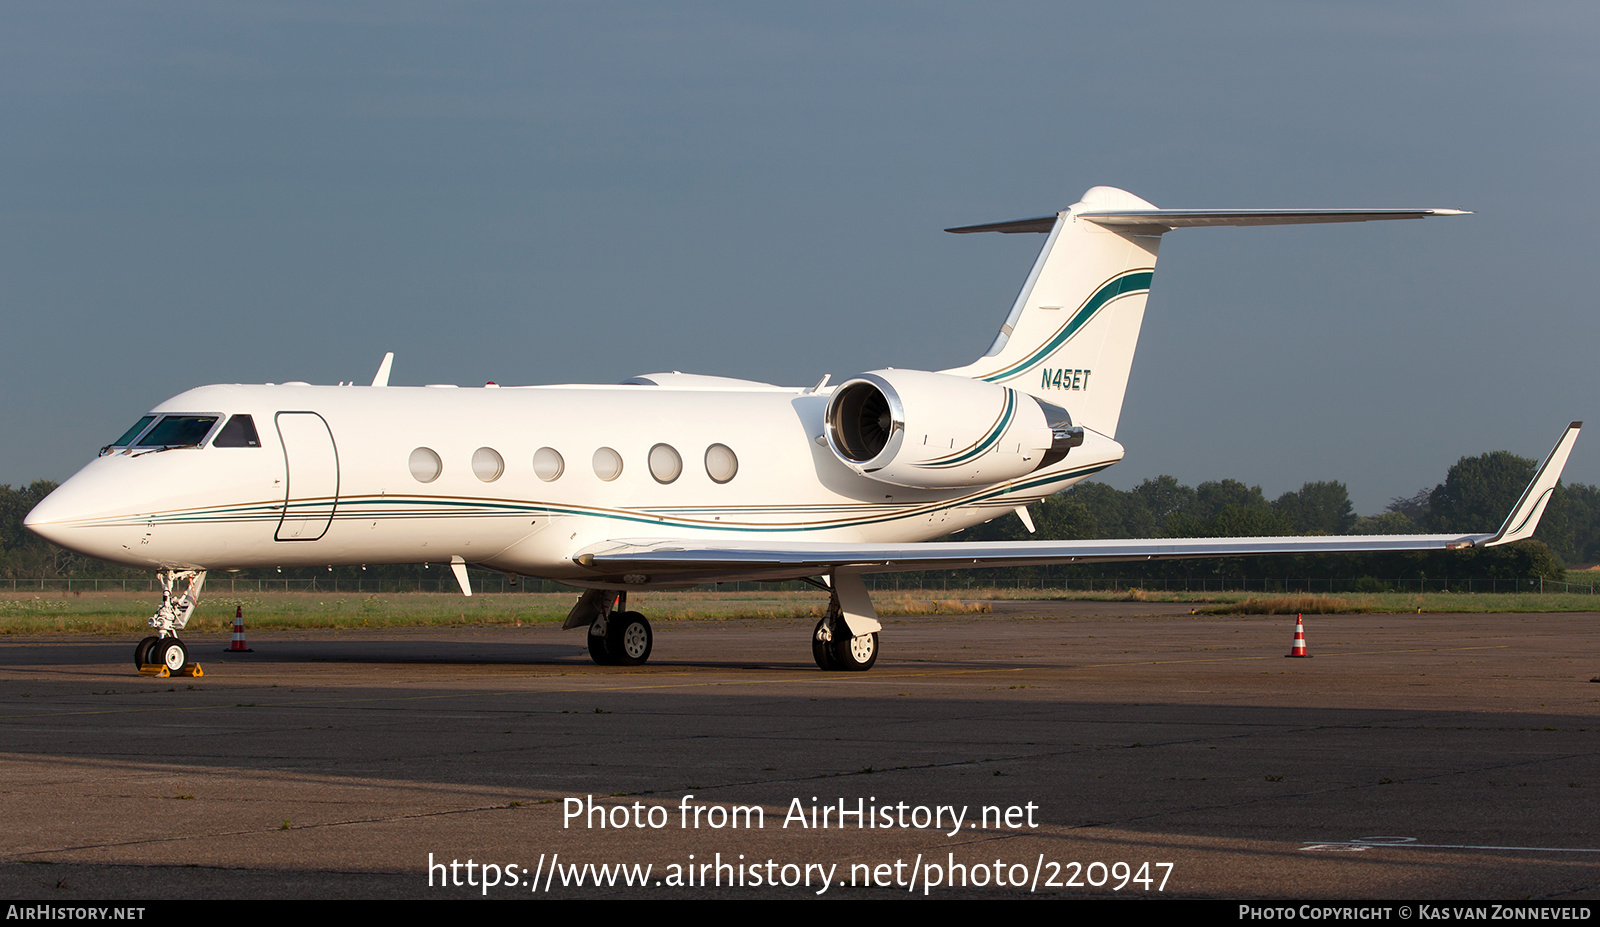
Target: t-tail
x=1072, y=332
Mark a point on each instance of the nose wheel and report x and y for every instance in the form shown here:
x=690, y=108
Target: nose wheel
x=141, y=652
x=165, y=656
x=170, y=654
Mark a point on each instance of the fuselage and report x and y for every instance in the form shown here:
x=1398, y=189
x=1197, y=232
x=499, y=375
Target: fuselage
x=518, y=479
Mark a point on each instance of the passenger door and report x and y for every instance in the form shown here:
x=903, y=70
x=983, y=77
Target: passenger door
x=311, y=485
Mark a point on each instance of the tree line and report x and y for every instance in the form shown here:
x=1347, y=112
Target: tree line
x=1474, y=497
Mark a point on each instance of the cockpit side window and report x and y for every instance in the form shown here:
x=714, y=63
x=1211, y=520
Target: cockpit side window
x=239, y=432
x=178, y=431
x=131, y=433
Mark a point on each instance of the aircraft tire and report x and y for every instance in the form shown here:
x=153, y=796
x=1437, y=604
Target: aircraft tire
x=821, y=650
x=854, y=654
x=170, y=652
x=599, y=651
x=141, y=651
x=629, y=639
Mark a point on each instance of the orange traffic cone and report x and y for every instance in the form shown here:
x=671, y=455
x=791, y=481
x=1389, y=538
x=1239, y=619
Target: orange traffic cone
x=238, y=645
x=1299, y=649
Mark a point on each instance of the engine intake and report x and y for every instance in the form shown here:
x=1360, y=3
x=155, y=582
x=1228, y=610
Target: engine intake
x=863, y=417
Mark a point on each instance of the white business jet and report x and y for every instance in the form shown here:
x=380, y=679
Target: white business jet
x=671, y=480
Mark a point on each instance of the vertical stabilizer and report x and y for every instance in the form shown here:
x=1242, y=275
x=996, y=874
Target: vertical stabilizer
x=1071, y=335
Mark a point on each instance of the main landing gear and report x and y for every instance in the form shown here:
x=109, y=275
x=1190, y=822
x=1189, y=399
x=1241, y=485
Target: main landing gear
x=162, y=653
x=845, y=640
x=617, y=637
x=834, y=648
x=834, y=645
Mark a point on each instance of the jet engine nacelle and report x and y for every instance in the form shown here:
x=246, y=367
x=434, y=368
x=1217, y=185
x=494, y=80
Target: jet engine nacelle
x=933, y=430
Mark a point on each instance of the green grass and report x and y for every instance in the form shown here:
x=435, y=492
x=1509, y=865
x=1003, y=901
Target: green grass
x=1337, y=603
x=121, y=613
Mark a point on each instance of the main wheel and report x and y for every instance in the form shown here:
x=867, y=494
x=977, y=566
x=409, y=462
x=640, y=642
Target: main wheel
x=141, y=651
x=599, y=648
x=170, y=652
x=629, y=639
x=821, y=647
x=855, y=654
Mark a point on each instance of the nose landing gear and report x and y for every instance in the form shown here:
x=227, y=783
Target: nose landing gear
x=163, y=654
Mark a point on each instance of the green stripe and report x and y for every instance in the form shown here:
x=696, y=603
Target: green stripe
x=348, y=510
x=1006, y=415
x=1133, y=282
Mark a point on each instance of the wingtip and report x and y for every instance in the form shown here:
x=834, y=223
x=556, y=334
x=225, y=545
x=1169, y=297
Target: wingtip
x=1525, y=515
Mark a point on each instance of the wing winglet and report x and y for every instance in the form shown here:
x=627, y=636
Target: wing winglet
x=1524, y=517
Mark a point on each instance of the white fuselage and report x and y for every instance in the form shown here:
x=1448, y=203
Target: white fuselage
x=379, y=474
x=332, y=481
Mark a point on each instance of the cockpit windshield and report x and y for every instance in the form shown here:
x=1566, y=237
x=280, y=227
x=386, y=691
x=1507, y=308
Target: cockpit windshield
x=178, y=431
x=134, y=432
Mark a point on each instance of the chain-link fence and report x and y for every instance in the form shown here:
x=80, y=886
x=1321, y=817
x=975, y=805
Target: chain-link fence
x=443, y=580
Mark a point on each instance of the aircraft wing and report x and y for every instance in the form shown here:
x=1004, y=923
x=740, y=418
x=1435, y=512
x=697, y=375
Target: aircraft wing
x=714, y=559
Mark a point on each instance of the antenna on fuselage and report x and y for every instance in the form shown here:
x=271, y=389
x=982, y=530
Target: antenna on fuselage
x=381, y=378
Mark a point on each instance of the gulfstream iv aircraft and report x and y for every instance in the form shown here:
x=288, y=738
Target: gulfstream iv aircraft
x=671, y=480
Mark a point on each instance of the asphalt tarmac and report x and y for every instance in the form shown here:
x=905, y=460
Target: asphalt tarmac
x=1048, y=750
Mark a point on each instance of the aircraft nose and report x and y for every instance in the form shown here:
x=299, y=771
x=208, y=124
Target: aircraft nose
x=51, y=519
x=45, y=517
x=72, y=515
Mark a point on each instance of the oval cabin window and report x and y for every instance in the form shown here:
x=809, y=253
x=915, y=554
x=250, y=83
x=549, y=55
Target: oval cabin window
x=487, y=464
x=547, y=464
x=665, y=464
x=425, y=465
x=722, y=464
x=607, y=464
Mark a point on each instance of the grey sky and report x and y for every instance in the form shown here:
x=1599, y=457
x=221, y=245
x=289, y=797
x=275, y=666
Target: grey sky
x=199, y=193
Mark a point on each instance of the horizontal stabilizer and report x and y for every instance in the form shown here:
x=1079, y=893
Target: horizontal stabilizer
x=1168, y=219
x=1193, y=218
x=1042, y=225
